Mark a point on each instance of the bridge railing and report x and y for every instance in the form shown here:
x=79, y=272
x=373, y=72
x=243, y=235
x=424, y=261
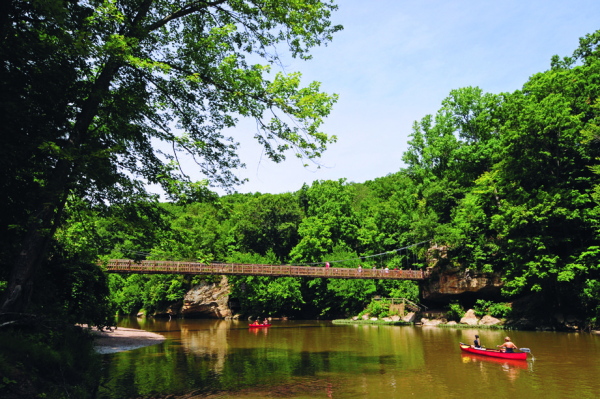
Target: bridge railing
x=174, y=267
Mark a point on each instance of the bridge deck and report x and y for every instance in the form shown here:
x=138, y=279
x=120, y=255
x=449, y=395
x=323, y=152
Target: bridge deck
x=240, y=269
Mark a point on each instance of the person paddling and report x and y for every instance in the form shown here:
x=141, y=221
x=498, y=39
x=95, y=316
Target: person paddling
x=508, y=346
x=476, y=343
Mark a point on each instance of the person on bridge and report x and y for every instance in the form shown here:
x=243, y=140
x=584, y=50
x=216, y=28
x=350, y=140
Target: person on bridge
x=359, y=269
x=387, y=270
x=327, y=266
x=508, y=346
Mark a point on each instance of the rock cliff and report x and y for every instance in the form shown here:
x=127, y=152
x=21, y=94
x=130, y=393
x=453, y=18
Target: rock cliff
x=452, y=283
x=209, y=300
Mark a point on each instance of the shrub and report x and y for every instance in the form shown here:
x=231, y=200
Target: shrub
x=481, y=307
x=500, y=309
x=455, y=311
x=50, y=362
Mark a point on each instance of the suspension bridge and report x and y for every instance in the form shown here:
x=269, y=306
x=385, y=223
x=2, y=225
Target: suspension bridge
x=242, y=269
x=303, y=270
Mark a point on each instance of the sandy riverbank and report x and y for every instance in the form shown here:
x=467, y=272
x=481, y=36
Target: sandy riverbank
x=124, y=339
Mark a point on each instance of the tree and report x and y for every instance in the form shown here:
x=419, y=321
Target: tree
x=548, y=220
x=93, y=85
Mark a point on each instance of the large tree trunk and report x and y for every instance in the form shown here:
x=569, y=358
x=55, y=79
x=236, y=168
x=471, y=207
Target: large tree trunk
x=46, y=221
x=33, y=251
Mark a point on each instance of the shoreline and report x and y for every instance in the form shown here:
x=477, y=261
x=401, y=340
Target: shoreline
x=458, y=326
x=124, y=339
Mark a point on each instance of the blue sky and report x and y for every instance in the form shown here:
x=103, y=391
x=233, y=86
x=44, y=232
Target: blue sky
x=395, y=61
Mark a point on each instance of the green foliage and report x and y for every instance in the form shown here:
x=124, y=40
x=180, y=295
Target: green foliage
x=377, y=308
x=455, y=311
x=106, y=98
x=265, y=296
x=133, y=292
x=483, y=307
x=509, y=183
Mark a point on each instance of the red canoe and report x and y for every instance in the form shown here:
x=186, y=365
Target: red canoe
x=494, y=353
x=259, y=326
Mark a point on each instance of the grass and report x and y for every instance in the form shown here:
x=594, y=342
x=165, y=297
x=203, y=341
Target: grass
x=404, y=323
x=478, y=327
x=377, y=322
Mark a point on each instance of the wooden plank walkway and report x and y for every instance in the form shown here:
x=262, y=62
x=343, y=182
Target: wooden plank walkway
x=240, y=269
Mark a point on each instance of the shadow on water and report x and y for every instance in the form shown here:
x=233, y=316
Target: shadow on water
x=216, y=358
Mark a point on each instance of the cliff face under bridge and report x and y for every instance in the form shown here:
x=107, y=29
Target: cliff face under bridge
x=205, y=300
x=464, y=284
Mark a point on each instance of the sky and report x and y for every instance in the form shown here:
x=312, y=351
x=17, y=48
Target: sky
x=394, y=63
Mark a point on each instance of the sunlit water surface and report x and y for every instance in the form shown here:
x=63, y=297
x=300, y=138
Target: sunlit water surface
x=306, y=359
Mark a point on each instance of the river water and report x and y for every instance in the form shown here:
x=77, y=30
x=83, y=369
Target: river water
x=306, y=359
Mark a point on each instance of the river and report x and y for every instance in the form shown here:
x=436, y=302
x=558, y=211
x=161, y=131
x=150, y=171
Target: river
x=306, y=359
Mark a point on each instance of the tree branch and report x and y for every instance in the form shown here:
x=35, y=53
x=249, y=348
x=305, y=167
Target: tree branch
x=186, y=10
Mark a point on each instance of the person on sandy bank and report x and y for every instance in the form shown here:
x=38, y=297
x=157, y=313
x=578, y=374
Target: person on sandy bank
x=508, y=346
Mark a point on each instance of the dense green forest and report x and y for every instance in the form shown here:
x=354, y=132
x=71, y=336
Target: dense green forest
x=508, y=182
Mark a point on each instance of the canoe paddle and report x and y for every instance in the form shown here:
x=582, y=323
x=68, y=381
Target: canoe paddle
x=527, y=350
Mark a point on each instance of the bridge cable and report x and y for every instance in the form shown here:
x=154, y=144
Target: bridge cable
x=387, y=253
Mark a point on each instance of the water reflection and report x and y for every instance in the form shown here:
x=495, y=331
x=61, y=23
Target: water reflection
x=216, y=358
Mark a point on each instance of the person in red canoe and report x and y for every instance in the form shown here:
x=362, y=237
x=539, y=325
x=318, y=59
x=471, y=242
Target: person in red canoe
x=256, y=323
x=476, y=343
x=508, y=346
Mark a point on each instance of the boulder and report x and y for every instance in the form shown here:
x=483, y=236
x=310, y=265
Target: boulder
x=410, y=317
x=424, y=320
x=365, y=316
x=525, y=323
x=434, y=322
x=236, y=316
x=140, y=314
x=488, y=320
x=355, y=318
x=452, y=323
x=469, y=318
x=208, y=300
x=373, y=318
x=387, y=319
x=572, y=327
x=395, y=318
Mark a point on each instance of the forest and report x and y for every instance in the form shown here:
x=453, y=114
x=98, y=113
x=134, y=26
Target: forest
x=508, y=182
